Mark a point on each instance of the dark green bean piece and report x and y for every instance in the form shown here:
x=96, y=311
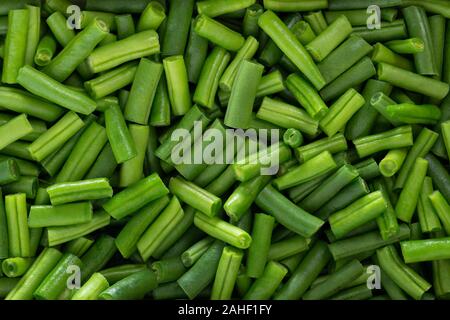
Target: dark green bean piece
x=177, y=26
x=195, y=54
x=132, y=287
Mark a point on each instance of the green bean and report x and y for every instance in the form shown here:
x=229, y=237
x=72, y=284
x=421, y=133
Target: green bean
x=357, y=74
x=133, y=47
x=197, y=278
x=227, y=271
x=425, y=250
x=392, y=162
x=218, y=33
x=177, y=26
x=412, y=81
x=115, y=274
x=56, y=280
x=62, y=215
x=334, y=144
x=23, y=102
x=418, y=26
x=243, y=196
x=42, y=85
x=160, y=228
x=388, y=31
x=97, y=256
x=132, y=287
x=317, y=21
x=78, y=246
x=291, y=47
x=305, y=274
x=441, y=207
x=311, y=169
x=368, y=241
x=152, y=17
x=259, y=248
x=194, y=252
x=160, y=111
x=168, y=270
x=287, y=5
x=286, y=116
x=41, y=267
x=195, y=54
x=15, y=44
x=222, y=230
x=287, y=248
x=243, y=94
x=396, y=138
x=250, y=22
x=38, y=126
x=131, y=171
x=125, y=26
x=18, y=233
x=382, y=54
x=407, y=46
x=45, y=51
x=58, y=235
x=96, y=284
x=210, y=75
x=15, y=129
x=264, y=287
x=405, y=277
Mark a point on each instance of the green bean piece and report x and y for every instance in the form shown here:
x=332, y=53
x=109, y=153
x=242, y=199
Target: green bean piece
x=83, y=154
x=15, y=44
x=197, y=278
x=243, y=94
x=160, y=112
x=143, y=90
x=196, y=197
x=194, y=252
x=418, y=26
x=41, y=267
x=125, y=26
x=392, y=139
x=133, y=47
x=56, y=136
x=264, y=287
x=96, y=284
x=78, y=246
x=250, y=22
x=131, y=171
x=287, y=248
x=9, y=171
x=133, y=287
x=15, y=267
x=406, y=46
x=405, y=277
x=152, y=17
x=111, y=81
x=160, y=228
x=317, y=21
x=407, y=200
x=382, y=54
x=4, y=237
x=291, y=47
x=177, y=84
x=62, y=215
x=62, y=234
x=227, y=271
x=119, y=136
x=354, y=76
x=42, y=85
x=338, y=62
x=306, y=96
x=334, y=144
x=195, y=54
x=411, y=81
x=428, y=218
x=441, y=206
x=168, y=270
x=38, y=126
x=80, y=47
x=14, y=129
x=305, y=274
x=222, y=230
x=210, y=75
x=177, y=26
x=23, y=102
x=329, y=39
x=259, y=248
x=445, y=130
x=56, y=280
x=335, y=282
x=246, y=52
x=91, y=189
x=393, y=161
x=217, y=8
x=286, y=116
x=18, y=232
x=425, y=250
x=115, y=274
x=97, y=256
x=365, y=242
x=287, y=213
x=317, y=166
x=218, y=33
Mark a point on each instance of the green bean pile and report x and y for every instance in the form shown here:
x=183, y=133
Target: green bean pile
x=354, y=96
